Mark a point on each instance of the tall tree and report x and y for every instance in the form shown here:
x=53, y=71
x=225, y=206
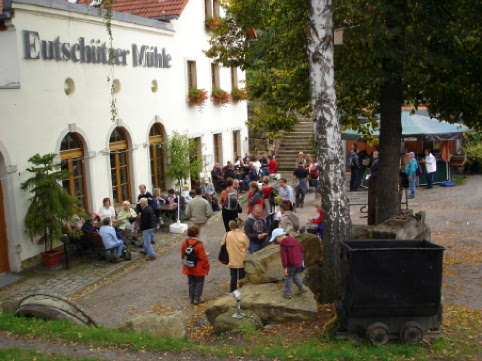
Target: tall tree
x=395, y=52
x=336, y=222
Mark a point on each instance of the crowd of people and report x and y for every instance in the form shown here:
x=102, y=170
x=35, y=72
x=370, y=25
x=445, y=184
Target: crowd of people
x=252, y=175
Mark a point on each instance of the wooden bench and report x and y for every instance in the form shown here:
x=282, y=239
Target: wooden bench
x=457, y=163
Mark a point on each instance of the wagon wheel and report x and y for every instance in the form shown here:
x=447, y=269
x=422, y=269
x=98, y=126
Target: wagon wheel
x=411, y=332
x=378, y=333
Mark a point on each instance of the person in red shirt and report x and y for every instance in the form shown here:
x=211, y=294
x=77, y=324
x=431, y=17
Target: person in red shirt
x=196, y=274
x=272, y=165
x=266, y=189
x=291, y=252
x=255, y=196
x=319, y=220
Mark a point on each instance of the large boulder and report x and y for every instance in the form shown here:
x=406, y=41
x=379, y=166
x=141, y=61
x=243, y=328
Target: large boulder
x=264, y=266
x=313, y=249
x=313, y=278
x=172, y=324
x=225, y=322
x=267, y=301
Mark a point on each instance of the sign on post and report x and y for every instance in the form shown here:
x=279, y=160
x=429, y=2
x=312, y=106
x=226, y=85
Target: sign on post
x=358, y=198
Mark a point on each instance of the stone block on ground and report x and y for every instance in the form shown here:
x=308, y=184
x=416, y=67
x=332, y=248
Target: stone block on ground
x=172, y=324
x=264, y=266
x=225, y=322
x=313, y=248
x=267, y=301
x=400, y=227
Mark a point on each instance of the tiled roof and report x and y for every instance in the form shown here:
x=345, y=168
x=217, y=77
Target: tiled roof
x=151, y=8
x=147, y=8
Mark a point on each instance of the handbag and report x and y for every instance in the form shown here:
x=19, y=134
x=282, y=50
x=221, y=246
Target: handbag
x=126, y=254
x=223, y=256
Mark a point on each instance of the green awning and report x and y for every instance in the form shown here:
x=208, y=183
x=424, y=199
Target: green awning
x=418, y=128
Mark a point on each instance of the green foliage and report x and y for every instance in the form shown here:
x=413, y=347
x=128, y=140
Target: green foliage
x=239, y=94
x=276, y=64
x=182, y=162
x=459, y=342
x=438, y=44
x=51, y=206
x=97, y=337
x=474, y=155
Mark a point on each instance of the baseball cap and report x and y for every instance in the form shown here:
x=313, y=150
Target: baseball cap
x=276, y=232
x=412, y=153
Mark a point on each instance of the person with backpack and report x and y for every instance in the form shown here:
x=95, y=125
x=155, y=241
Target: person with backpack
x=353, y=162
x=314, y=180
x=195, y=264
x=411, y=171
x=289, y=221
x=237, y=245
x=229, y=203
x=300, y=175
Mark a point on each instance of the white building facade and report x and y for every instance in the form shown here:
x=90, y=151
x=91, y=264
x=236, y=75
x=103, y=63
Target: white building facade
x=55, y=96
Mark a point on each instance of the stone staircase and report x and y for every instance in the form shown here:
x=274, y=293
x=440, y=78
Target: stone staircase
x=292, y=143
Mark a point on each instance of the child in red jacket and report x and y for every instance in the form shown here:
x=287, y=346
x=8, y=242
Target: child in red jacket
x=291, y=252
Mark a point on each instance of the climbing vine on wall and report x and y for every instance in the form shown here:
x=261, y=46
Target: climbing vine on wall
x=105, y=9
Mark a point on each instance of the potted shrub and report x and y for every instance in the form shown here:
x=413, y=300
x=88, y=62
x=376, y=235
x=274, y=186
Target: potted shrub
x=238, y=94
x=220, y=96
x=51, y=206
x=183, y=164
x=197, y=97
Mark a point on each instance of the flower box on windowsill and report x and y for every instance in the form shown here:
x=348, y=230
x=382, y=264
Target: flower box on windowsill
x=197, y=97
x=238, y=94
x=220, y=96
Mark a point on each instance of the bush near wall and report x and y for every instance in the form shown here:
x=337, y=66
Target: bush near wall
x=474, y=156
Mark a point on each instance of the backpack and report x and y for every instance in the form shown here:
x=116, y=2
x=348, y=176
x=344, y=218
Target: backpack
x=314, y=172
x=353, y=161
x=418, y=170
x=232, y=202
x=190, y=259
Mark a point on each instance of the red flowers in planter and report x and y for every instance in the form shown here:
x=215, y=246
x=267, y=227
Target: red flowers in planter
x=220, y=96
x=197, y=97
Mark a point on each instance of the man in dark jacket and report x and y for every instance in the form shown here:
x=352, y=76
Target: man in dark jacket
x=255, y=229
x=291, y=252
x=144, y=193
x=147, y=224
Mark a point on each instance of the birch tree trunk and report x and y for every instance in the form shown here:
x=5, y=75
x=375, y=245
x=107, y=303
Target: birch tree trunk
x=336, y=220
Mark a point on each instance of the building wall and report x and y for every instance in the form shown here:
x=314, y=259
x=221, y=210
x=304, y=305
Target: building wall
x=37, y=114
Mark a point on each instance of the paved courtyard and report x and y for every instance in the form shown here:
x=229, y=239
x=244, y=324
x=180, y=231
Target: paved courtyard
x=115, y=292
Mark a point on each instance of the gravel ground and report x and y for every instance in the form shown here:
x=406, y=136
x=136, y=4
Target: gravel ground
x=453, y=215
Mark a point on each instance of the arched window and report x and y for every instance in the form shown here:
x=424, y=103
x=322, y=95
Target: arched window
x=119, y=166
x=156, y=138
x=72, y=157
